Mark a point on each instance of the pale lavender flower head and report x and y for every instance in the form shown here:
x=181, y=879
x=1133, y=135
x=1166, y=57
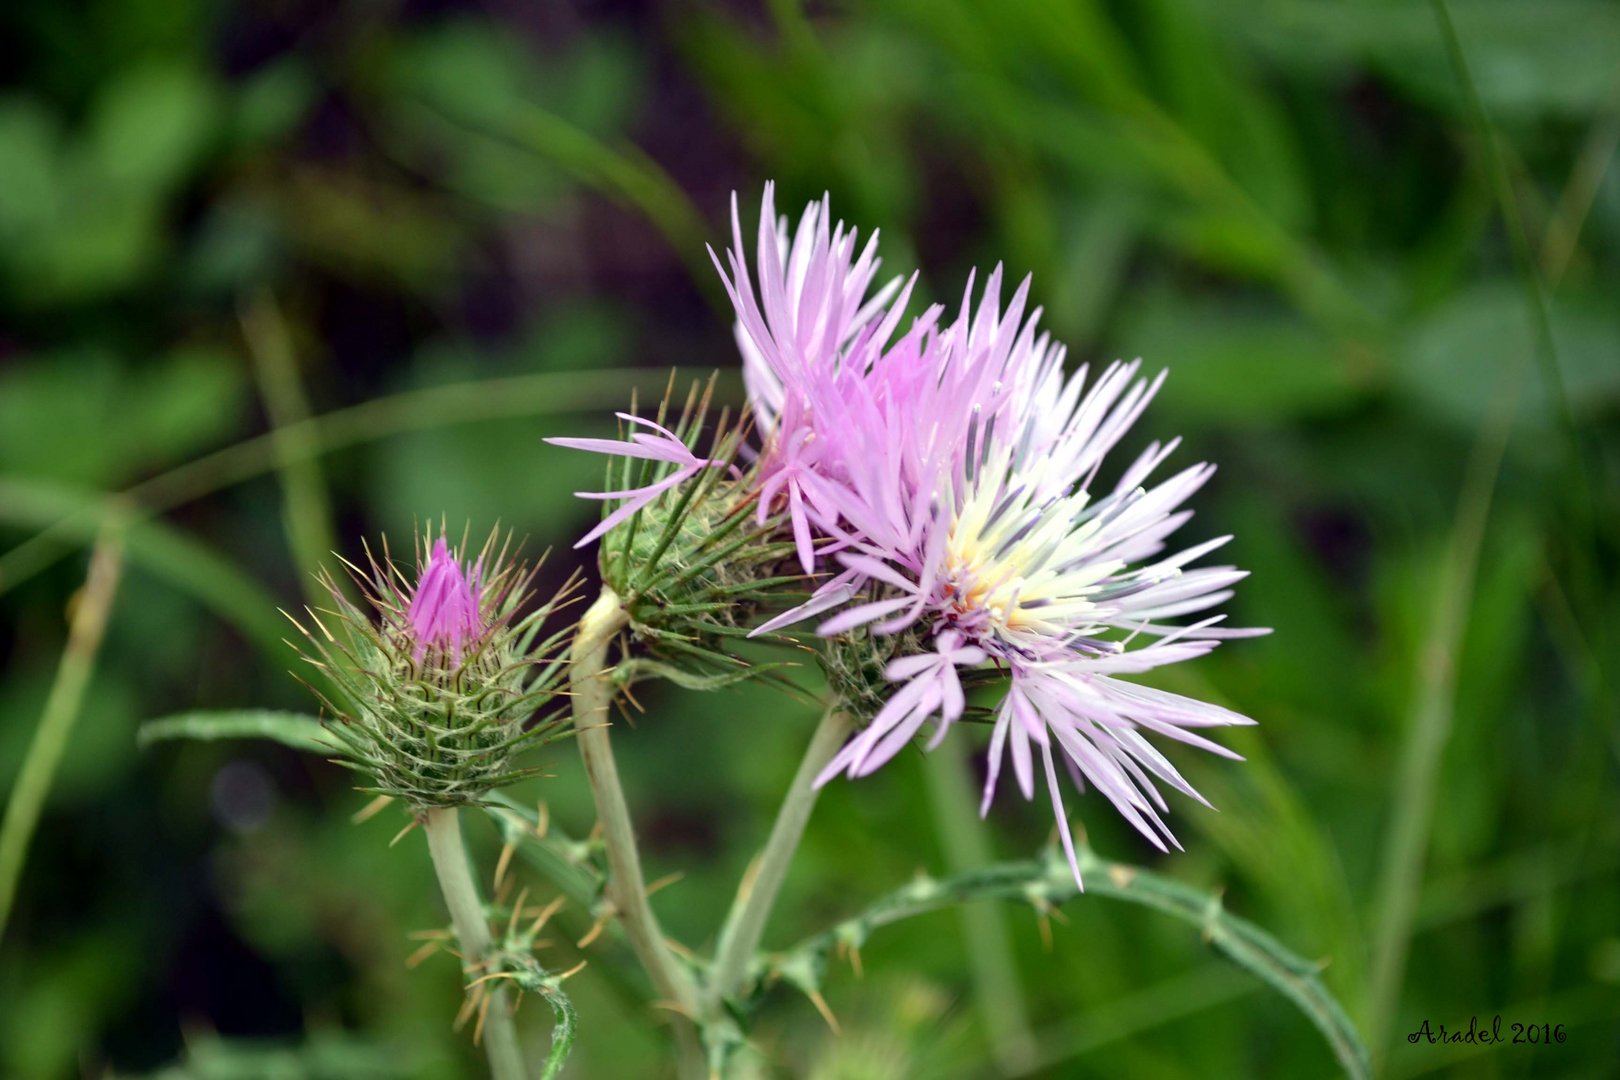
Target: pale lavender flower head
x=976, y=539
x=445, y=613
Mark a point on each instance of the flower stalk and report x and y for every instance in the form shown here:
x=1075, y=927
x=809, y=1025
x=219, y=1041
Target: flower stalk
x=627, y=889
x=443, y=829
x=756, y=896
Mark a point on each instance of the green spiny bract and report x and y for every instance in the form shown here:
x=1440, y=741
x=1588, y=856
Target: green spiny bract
x=695, y=566
x=856, y=661
x=432, y=690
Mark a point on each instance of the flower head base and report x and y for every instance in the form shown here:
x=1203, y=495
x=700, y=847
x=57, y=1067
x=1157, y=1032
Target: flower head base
x=436, y=684
x=684, y=550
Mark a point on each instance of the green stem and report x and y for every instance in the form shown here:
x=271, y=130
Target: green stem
x=1048, y=882
x=565, y=1022
x=756, y=896
x=88, y=626
x=627, y=889
x=443, y=828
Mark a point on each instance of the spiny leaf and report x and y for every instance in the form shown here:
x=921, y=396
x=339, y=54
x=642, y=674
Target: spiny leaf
x=297, y=730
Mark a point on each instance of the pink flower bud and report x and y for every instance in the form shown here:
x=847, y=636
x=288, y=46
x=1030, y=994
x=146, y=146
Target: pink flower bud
x=444, y=613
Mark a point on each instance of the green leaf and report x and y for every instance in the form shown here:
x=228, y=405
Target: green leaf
x=29, y=138
x=1450, y=362
x=149, y=127
x=1234, y=362
x=1551, y=56
x=297, y=730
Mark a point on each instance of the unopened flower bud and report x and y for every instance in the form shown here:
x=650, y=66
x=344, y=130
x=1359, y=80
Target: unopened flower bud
x=444, y=680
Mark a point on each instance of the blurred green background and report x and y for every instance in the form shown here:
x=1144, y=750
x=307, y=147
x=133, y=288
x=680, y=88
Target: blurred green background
x=1395, y=328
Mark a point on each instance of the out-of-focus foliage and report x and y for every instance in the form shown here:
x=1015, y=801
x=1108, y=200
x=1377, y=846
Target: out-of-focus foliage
x=1289, y=204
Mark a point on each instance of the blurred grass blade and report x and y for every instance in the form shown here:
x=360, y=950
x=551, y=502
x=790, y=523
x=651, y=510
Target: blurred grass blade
x=1135, y=1014
x=299, y=731
x=623, y=173
x=997, y=990
x=161, y=550
x=1562, y=238
x=547, y=394
x=88, y=625
x=1413, y=799
x=306, y=504
x=1535, y=291
x=1433, y=709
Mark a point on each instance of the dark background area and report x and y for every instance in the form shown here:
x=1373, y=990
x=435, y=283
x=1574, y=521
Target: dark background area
x=216, y=219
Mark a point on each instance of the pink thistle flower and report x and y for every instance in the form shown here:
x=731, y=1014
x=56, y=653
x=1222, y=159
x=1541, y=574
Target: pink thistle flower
x=973, y=522
x=445, y=612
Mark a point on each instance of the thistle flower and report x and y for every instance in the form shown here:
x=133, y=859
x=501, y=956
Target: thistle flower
x=804, y=337
x=975, y=535
x=947, y=478
x=436, y=682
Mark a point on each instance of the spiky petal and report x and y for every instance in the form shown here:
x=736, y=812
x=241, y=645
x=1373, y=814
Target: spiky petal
x=445, y=609
x=661, y=444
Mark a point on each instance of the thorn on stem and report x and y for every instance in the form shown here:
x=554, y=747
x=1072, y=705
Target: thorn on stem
x=370, y=810
x=483, y=1014
x=594, y=932
x=826, y=1012
x=405, y=831
x=664, y=882
x=504, y=862
x=413, y=961
x=467, y=1006
x=545, y=915
x=517, y=912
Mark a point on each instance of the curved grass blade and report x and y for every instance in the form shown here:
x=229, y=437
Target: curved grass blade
x=475, y=401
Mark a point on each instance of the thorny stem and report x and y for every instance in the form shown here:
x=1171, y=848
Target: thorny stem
x=443, y=829
x=1047, y=882
x=756, y=896
x=627, y=890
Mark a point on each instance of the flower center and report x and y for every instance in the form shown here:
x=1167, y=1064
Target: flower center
x=1016, y=565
